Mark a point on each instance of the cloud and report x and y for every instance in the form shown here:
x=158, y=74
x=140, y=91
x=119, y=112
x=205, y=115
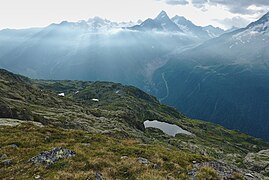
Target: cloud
x=199, y=3
x=236, y=21
x=175, y=2
x=244, y=7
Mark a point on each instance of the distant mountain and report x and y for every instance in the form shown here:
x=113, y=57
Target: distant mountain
x=161, y=23
x=96, y=49
x=213, y=31
x=225, y=80
x=191, y=29
x=148, y=25
x=166, y=23
x=261, y=25
x=232, y=29
x=178, y=24
x=95, y=25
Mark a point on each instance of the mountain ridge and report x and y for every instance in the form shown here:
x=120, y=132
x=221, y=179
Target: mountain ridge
x=226, y=73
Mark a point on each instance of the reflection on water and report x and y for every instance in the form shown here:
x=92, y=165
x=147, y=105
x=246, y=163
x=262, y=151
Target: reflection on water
x=167, y=128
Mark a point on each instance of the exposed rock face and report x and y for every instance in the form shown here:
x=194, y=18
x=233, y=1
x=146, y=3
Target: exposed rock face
x=50, y=157
x=258, y=162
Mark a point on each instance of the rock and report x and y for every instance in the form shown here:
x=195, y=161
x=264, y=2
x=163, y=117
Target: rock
x=50, y=157
x=258, y=162
x=156, y=166
x=249, y=175
x=37, y=177
x=224, y=171
x=86, y=144
x=98, y=176
x=170, y=178
x=14, y=145
x=124, y=157
x=7, y=162
x=142, y=160
x=3, y=156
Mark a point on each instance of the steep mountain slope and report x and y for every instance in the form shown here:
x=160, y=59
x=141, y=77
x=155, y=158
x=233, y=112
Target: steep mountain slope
x=107, y=137
x=11, y=39
x=225, y=80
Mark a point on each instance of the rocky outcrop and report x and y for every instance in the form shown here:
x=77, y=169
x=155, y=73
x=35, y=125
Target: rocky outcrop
x=50, y=157
x=258, y=162
x=225, y=171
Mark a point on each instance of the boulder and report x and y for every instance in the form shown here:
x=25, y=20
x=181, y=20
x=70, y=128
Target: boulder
x=98, y=176
x=7, y=162
x=258, y=162
x=50, y=157
x=142, y=160
x=3, y=156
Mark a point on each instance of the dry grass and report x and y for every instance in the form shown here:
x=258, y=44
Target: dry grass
x=94, y=153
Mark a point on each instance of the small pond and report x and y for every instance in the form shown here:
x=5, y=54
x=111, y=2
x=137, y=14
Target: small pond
x=167, y=128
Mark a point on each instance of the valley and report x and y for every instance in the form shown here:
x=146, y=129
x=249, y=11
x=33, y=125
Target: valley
x=107, y=138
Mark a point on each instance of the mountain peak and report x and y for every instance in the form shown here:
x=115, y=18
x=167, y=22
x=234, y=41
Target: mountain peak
x=264, y=19
x=162, y=15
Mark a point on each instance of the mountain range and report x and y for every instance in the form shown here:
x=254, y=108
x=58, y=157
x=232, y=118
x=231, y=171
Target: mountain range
x=204, y=72
x=178, y=24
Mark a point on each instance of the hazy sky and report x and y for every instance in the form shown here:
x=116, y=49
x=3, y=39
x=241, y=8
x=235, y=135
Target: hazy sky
x=39, y=13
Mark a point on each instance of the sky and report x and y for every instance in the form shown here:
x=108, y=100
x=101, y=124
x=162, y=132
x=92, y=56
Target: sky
x=19, y=14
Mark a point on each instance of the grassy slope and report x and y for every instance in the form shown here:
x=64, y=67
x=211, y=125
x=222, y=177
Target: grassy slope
x=95, y=153
x=117, y=119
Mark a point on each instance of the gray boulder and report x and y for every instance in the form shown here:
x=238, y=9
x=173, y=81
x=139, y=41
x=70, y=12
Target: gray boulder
x=258, y=162
x=50, y=157
x=142, y=160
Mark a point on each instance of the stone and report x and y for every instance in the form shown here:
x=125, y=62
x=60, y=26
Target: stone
x=142, y=160
x=86, y=144
x=37, y=177
x=124, y=157
x=3, y=156
x=170, y=178
x=50, y=157
x=258, y=162
x=249, y=175
x=7, y=162
x=98, y=176
x=156, y=166
x=14, y=145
